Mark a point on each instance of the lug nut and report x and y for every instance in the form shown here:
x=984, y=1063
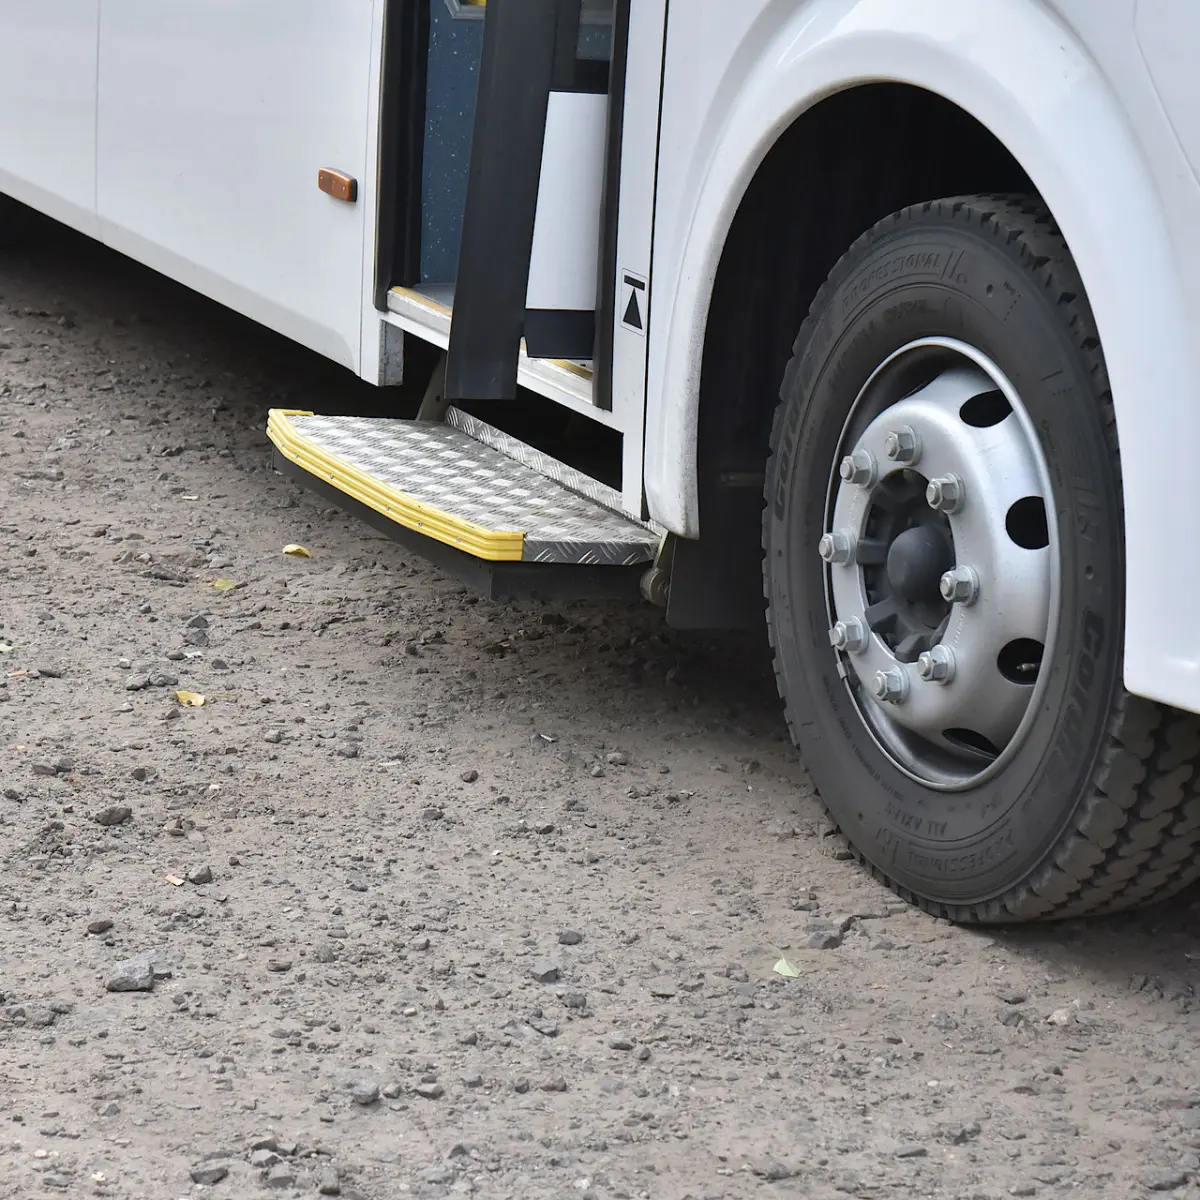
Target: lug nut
x=859, y=468
x=945, y=494
x=890, y=686
x=849, y=635
x=903, y=445
x=936, y=665
x=960, y=586
x=837, y=548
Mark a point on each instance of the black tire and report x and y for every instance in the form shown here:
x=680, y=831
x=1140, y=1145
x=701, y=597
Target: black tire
x=1099, y=807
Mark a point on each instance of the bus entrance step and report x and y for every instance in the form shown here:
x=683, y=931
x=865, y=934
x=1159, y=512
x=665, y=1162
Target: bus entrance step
x=463, y=484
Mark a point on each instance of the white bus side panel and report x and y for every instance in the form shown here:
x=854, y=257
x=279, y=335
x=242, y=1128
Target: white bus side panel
x=48, y=106
x=214, y=118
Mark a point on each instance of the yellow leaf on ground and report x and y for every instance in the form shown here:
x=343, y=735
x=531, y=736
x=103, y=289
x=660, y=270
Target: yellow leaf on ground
x=297, y=551
x=5, y=648
x=223, y=585
x=190, y=699
x=787, y=969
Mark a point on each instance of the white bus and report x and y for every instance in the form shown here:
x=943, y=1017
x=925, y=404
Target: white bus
x=883, y=309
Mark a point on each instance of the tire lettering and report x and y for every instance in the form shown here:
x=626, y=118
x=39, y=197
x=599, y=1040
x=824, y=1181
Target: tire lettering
x=1084, y=678
x=912, y=823
x=926, y=262
x=786, y=454
x=980, y=859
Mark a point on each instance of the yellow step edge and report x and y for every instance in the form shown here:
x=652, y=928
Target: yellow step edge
x=488, y=544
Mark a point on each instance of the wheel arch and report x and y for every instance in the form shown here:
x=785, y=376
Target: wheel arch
x=1030, y=110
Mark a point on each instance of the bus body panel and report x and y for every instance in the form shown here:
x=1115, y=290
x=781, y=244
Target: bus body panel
x=213, y=120
x=1095, y=142
x=48, y=107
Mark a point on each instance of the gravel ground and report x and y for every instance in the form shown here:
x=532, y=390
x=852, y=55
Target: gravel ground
x=436, y=897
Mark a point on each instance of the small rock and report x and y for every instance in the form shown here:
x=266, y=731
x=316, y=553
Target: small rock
x=274, y=736
x=1061, y=1016
x=472, y=1079
x=328, y=1183
x=348, y=749
x=1012, y=996
x=364, y=1091
x=419, y=943
x=279, y=965
x=943, y=1021
x=430, y=1091
x=825, y=939
x=44, y=769
x=392, y=1091
x=200, y=875
x=773, y=1171
x=543, y=1026
x=545, y=972
x=132, y=975
x=520, y=1086
x=557, y=1084
x=663, y=988
x=263, y=1157
x=910, y=1150
x=209, y=1173
x=111, y=1109
x=642, y=1053
x=437, y=1174
x=1189, y=1118
x=199, y=621
x=432, y=813
x=617, y=759
x=569, y=937
x=620, y=1043
x=281, y=1177
x=138, y=683
x=196, y=637
x=1164, y=1179
x=103, y=925
x=469, y=776
x=114, y=814
x=325, y=952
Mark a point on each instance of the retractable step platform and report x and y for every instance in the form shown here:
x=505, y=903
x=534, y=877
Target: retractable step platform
x=512, y=519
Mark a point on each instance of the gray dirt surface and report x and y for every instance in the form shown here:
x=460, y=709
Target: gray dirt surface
x=436, y=897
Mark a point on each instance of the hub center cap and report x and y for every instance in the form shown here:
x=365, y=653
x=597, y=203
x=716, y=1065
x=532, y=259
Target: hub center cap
x=916, y=562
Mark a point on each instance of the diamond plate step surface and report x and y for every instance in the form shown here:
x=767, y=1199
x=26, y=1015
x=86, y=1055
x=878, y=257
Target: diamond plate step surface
x=446, y=483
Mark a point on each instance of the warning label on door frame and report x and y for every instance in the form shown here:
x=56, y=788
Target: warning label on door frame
x=635, y=307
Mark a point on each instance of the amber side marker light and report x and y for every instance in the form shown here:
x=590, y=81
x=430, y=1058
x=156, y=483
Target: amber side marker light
x=338, y=185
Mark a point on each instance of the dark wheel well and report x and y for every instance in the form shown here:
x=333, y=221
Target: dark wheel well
x=845, y=164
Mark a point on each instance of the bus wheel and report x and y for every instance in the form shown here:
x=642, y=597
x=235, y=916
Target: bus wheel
x=944, y=572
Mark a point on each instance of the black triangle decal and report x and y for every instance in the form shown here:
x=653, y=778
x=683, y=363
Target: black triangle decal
x=633, y=314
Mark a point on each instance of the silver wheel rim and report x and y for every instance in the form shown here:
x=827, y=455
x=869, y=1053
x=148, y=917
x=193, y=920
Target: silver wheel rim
x=942, y=563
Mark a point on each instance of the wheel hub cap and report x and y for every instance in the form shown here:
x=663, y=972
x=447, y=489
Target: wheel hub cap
x=916, y=561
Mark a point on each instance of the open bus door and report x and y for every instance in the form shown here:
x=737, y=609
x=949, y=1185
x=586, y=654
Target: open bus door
x=514, y=273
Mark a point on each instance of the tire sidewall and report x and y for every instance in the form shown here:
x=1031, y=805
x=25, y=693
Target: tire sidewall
x=928, y=277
